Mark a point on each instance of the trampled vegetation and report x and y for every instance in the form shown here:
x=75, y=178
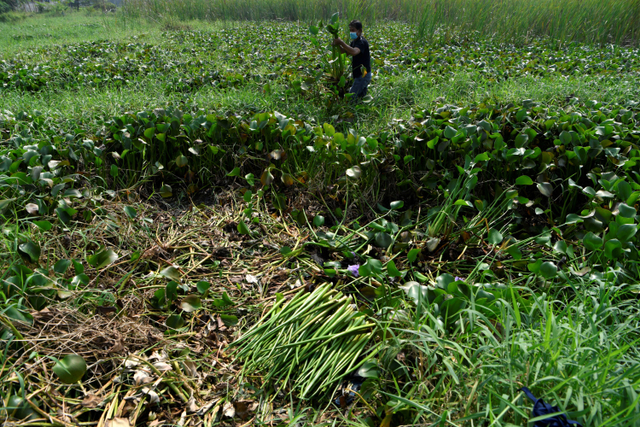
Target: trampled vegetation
x=198, y=229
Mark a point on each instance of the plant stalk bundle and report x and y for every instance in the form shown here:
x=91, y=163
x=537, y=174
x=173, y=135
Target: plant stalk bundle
x=312, y=341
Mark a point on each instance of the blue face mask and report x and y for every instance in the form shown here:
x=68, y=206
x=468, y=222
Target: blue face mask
x=353, y=36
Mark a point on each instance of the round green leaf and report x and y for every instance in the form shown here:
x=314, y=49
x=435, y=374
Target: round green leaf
x=19, y=408
x=626, y=232
x=613, y=249
x=413, y=255
x=43, y=225
x=495, y=237
x=130, y=211
x=524, y=180
x=243, y=229
x=627, y=211
x=203, y=286
x=61, y=266
x=592, y=242
x=229, y=319
x=70, y=369
x=398, y=204
x=369, y=369
x=392, y=270
x=318, y=220
x=30, y=249
x=548, y=270
x=175, y=321
x=383, y=240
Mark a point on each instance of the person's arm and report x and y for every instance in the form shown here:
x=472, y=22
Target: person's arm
x=353, y=51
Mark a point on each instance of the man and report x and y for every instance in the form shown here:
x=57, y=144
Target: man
x=360, y=61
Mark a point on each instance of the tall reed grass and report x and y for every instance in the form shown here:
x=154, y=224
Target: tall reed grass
x=596, y=21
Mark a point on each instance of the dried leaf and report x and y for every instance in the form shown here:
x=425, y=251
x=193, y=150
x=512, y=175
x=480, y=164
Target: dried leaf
x=162, y=366
x=91, y=401
x=142, y=377
x=118, y=422
x=229, y=410
x=153, y=396
x=31, y=208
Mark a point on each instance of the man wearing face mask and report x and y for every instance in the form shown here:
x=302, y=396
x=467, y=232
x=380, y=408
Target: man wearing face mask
x=360, y=61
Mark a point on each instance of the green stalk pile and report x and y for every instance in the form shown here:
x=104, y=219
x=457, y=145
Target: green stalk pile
x=313, y=341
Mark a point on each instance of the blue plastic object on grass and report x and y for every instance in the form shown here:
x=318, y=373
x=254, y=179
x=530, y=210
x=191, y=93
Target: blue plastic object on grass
x=540, y=408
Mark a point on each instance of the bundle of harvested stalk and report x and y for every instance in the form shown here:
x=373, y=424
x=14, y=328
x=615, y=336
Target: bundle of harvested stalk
x=311, y=342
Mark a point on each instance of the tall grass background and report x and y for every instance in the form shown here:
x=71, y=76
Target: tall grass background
x=595, y=21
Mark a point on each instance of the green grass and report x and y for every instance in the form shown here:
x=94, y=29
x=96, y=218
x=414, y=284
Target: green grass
x=503, y=160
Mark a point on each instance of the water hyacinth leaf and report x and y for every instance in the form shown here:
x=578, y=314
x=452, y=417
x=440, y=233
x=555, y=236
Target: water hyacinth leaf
x=171, y=273
x=65, y=215
x=627, y=211
x=266, y=178
x=43, y=225
x=413, y=254
x=548, y=270
x=415, y=291
x=191, y=303
x=243, y=229
x=102, y=259
x=234, y=172
x=18, y=408
x=626, y=232
x=613, y=249
x=229, y=319
x=398, y=204
x=524, y=180
x=495, y=237
x=175, y=321
x=560, y=246
x=383, y=240
x=592, y=242
x=182, y=161
x=534, y=267
x=114, y=171
x=318, y=220
x=171, y=291
x=392, y=270
x=369, y=369
x=515, y=252
x=62, y=266
x=130, y=211
x=70, y=368
x=546, y=189
x=444, y=280
x=203, y=286
x=31, y=250
x=166, y=191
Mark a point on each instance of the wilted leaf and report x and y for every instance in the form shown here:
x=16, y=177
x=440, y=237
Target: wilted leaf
x=191, y=303
x=102, y=259
x=171, y=273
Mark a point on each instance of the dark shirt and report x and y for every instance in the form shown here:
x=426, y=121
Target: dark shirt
x=363, y=59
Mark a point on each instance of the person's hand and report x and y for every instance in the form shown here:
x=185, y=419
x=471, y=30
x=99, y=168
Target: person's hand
x=337, y=42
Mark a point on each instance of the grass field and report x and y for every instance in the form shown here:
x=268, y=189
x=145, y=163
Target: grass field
x=198, y=229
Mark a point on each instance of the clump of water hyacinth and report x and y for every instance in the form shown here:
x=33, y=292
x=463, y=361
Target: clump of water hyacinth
x=310, y=342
